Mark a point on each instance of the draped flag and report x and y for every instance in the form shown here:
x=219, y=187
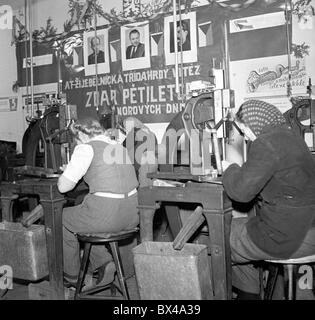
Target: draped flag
x=45, y=67
x=258, y=36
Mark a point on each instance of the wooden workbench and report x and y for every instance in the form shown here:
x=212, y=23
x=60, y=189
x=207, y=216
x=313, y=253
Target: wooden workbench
x=217, y=209
x=52, y=202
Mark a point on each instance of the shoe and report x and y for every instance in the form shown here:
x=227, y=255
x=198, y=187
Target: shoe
x=69, y=284
x=106, y=274
x=88, y=283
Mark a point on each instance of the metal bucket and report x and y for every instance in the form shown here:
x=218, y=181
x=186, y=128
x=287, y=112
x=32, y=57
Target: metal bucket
x=163, y=273
x=24, y=250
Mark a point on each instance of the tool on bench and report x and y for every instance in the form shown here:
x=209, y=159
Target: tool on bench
x=35, y=172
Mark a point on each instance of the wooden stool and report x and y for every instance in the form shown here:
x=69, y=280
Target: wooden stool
x=96, y=239
x=288, y=266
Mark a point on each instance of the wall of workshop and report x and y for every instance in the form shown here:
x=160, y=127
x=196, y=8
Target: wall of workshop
x=12, y=123
x=275, y=91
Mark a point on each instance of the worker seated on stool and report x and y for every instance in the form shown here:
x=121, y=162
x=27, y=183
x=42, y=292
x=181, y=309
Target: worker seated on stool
x=110, y=205
x=279, y=175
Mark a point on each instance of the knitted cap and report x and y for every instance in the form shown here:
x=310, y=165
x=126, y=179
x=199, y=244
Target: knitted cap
x=258, y=114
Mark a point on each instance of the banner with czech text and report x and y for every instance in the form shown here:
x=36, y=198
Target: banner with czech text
x=136, y=63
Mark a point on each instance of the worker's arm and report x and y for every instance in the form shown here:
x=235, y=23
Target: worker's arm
x=77, y=167
x=243, y=183
x=65, y=185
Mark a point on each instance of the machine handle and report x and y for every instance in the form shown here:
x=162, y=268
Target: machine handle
x=34, y=215
x=191, y=225
x=217, y=152
x=215, y=143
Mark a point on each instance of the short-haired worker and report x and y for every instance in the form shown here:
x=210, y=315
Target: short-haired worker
x=97, y=53
x=110, y=205
x=279, y=176
x=136, y=49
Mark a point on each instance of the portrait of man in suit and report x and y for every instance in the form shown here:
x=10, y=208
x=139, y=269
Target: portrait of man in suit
x=95, y=44
x=183, y=36
x=136, y=49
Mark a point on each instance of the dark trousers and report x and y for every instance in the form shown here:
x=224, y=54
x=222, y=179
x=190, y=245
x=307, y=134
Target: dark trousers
x=95, y=214
x=245, y=276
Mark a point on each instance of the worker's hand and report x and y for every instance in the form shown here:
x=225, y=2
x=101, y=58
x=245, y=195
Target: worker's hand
x=63, y=167
x=225, y=164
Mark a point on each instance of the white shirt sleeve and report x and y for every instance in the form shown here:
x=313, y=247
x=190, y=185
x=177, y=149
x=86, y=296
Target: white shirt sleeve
x=79, y=163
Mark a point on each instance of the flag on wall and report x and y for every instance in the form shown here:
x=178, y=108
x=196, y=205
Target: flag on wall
x=205, y=34
x=258, y=36
x=45, y=67
x=115, y=52
x=157, y=44
x=78, y=56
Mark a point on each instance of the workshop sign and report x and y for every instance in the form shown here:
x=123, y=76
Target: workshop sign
x=148, y=95
x=135, y=63
x=8, y=104
x=136, y=66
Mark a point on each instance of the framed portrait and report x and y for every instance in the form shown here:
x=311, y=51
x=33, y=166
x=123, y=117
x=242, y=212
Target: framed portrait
x=95, y=51
x=186, y=39
x=135, y=46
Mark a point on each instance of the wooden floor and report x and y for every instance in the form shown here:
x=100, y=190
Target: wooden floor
x=21, y=291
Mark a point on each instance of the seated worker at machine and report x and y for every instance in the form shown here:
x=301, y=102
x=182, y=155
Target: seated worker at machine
x=279, y=175
x=110, y=205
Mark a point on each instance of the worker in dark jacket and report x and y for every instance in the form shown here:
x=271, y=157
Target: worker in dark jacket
x=279, y=175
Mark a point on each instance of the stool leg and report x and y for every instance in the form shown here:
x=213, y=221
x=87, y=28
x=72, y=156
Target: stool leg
x=289, y=268
x=294, y=283
x=261, y=282
x=83, y=267
x=271, y=281
x=120, y=273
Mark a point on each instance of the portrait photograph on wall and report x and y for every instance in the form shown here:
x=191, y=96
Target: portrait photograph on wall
x=186, y=39
x=96, y=51
x=135, y=46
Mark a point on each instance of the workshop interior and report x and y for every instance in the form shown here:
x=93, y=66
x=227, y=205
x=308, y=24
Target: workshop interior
x=157, y=150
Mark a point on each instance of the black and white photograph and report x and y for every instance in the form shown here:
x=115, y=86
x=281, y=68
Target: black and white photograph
x=135, y=46
x=96, y=45
x=186, y=38
x=182, y=36
x=157, y=157
x=136, y=49
x=96, y=52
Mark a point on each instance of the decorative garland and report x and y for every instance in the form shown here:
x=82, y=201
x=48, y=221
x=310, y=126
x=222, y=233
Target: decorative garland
x=82, y=16
x=233, y=7
x=300, y=50
x=303, y=9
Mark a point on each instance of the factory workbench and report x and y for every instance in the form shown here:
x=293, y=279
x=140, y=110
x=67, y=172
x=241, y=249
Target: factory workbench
x=217, y=210
x=52, y=202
